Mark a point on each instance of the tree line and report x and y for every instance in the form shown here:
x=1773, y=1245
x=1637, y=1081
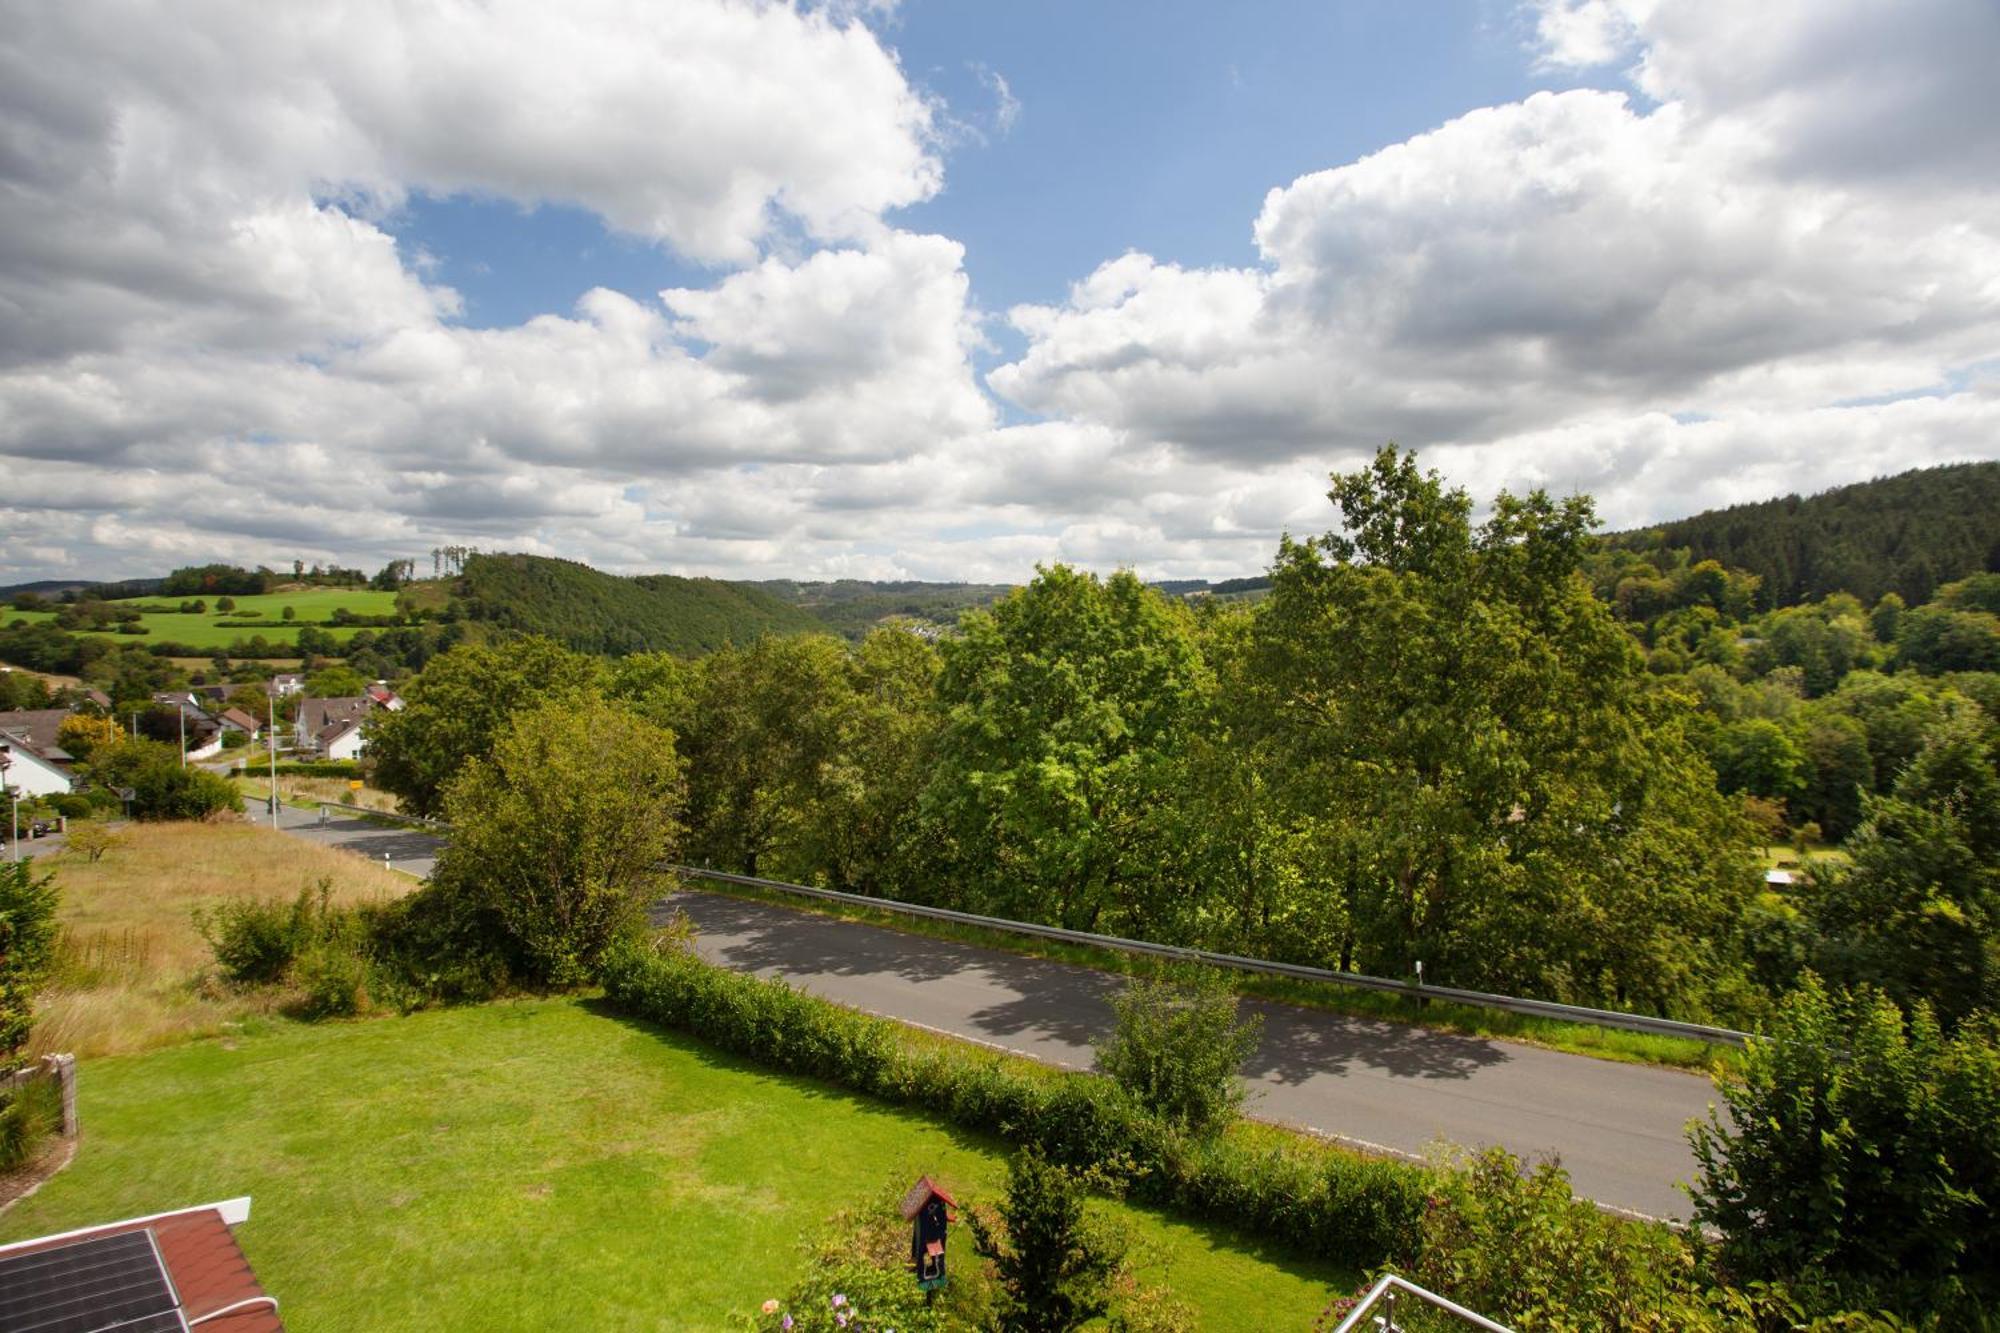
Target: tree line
x=1432, y=742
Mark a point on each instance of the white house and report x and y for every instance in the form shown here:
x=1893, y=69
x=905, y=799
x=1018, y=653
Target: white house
x=320, y=720
x=27, y=772
x=340, y=740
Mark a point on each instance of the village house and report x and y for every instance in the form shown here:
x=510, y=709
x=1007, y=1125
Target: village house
x=331, y=728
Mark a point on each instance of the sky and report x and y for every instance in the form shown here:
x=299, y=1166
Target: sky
x=941, y=290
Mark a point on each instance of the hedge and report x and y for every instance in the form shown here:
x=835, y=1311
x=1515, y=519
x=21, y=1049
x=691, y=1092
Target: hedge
x=1311, y=1197
x=308, y=768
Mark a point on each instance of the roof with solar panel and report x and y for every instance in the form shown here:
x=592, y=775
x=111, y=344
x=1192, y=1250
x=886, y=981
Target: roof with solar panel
x=165, y=1273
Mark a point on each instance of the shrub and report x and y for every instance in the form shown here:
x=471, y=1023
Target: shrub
x=29, y=1114
x=333, y=979
x=103, y=798
x=1054, y=1263
x=1863, y=1149
x=557, y=830
x=27, y=948
x=70, y=805
x=256, y=942
x=168, y=791
x=92, y=840
x=1178, y=1046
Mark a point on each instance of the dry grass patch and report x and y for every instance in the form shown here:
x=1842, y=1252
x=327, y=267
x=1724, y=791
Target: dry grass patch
x=312, y=791
x=133, y=971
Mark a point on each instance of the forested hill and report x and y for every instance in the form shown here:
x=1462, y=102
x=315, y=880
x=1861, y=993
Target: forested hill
x=1905, y=534
x=602, y=613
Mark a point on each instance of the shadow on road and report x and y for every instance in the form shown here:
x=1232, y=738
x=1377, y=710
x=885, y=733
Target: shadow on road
x=1059, y=1001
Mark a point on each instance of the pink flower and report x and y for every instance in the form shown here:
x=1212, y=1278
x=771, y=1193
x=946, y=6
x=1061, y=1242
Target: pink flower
x=771, y=1306
x=838, y=1300
x=840, y=1319
x=788, y=1321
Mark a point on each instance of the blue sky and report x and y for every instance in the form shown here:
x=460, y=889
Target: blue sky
x=1157, y=128
x=763, y=289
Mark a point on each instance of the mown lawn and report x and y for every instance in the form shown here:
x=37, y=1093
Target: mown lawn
x=541, y=1165
x=310, y=606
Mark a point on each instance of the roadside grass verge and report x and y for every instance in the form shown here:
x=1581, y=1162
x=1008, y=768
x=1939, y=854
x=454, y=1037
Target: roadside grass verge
x=311, y=792
x=1576, y=1038
x=543, y=1164
x=131, y=965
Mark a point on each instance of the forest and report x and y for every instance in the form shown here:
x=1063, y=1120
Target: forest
x=1532, y=761
x=1905, y=534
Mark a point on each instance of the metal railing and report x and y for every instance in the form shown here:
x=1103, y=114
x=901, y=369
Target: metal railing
x=1610, y=1018
x=1568, y=1013
x=1390, y=1291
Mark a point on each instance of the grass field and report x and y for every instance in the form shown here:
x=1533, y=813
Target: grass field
x=131, y=956
x=311, y=606
x=543, y=1165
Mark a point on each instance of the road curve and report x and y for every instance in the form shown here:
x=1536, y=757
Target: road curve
x=1617, y=1128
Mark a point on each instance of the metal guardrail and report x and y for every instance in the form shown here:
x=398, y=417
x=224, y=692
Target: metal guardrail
x=1569, y=1013
x=1390, y=1289
x=1611, y=1018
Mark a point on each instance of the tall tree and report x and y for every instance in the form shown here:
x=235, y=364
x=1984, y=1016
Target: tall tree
x=1504, y=796
x=458, y=704
x=1066, y=705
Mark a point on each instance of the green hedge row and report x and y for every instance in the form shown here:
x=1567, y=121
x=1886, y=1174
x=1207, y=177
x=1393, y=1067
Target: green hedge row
x=308, y=768
x=1311, y=1197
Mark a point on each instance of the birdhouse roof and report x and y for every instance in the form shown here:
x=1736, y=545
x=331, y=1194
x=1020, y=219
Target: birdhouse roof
x=920, y=1194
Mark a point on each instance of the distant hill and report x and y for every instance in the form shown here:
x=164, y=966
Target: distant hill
x=55, y=588
x=854, y=606
x=1907, y=534
x=594, y=612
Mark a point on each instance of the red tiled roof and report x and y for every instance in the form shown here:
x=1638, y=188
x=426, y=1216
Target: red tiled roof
x=208, y=1269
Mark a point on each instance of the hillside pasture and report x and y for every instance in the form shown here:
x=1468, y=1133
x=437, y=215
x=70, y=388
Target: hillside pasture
x=218, y=629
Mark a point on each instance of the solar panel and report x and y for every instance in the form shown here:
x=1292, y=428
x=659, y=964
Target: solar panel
x=90, y=1286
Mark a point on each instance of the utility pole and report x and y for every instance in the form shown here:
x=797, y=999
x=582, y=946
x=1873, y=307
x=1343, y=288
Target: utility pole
x=181, y=712
x=13, y=796
x=271, y=737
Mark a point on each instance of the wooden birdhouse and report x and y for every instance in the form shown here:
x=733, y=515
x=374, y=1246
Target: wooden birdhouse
x=928, y=1210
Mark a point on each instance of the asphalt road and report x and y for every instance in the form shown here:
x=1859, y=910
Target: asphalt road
x=1617, y=1128
x=408, y=849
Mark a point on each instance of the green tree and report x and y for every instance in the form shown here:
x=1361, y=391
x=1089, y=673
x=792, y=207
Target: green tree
x=456, y=707
x=1759, y=757
x=766, y=740
x=28, y=931
x=1935, y=639
x=1917, y=912
x=289, y=615
x=1860, y=1152
x=1505, y=796
x=1065, y=707
x=557, y=832
x=335, y=682
x=1053, y=1261
x=1839, y=772
x=1179, y=1046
